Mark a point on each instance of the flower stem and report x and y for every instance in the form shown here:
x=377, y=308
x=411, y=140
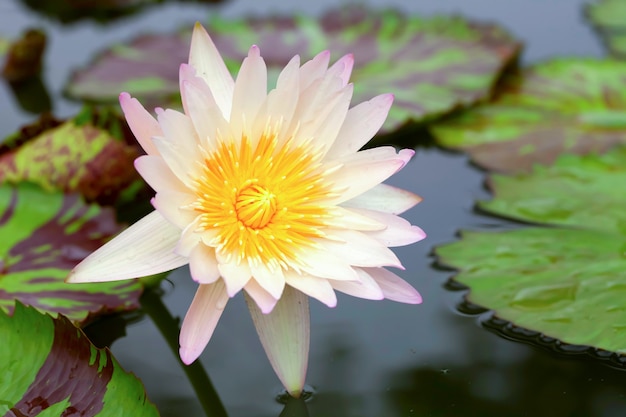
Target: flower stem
x=152, y=304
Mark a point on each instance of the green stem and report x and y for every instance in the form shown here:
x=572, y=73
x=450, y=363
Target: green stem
x=168, y=326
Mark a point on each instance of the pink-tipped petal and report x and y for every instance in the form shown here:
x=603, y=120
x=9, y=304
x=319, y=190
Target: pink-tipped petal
x=398, y=232
x=145, y=248
x=236, y=276
x=262, y=298
x=366, y=287
x=362, y=122
x=394, y=287
x=284, y=334
x=208, y=63
x=206, y=117
x=141, y=123
x=201, y=319
x=250, y=93
x=343, y=68
x=385, y=198
x=359, y=249
x=271, y=279
x=157, y=173
x=314, y=69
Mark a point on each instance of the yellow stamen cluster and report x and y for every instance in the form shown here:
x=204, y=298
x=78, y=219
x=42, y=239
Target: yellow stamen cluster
x=265, y=202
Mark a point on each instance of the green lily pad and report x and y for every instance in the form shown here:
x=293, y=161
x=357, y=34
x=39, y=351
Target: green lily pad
x=609, y=18
x=48, y=367
x=565, y=105
x=568, y=281
x=581, y=191
x=44, y=235
x=432, y=65
x=568, y=284
x=74, y=156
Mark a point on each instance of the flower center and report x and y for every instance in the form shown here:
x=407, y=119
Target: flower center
x=255, y=206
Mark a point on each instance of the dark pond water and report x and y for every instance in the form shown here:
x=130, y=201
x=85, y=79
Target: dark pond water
x=367, y=358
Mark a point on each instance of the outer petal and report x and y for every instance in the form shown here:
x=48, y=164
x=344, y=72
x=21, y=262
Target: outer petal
x=314, y=69
x=284, y=334
x=169, y=203
x=359, y=249
x=209, y=65
x=141, y=123
x=145, y=248
x=361, y=124
x=394, y=287
x=398, y=232
x=385, y=198
x=157, y=173
x=365, y=288
x=343, y=68
x=201, y=318
x=235, y=276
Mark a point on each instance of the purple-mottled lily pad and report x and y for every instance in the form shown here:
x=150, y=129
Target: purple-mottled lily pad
x=74, y=156
x=44, y=235
x=432, y=65
x=49, y=367
x=609, y=19
x=23, y=56
x=566, y=282
x=565, y=105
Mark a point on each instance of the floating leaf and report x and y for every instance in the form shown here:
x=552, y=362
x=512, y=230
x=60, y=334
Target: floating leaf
x=72, y=156
x=24, y=56
x=566, y=105
x=431, y=65
x=587, y=192
x=565, y=283
x=49, y=367
x=44, y=236
x=609, y=18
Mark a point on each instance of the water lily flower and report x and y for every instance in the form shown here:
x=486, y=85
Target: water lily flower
x=265, y=192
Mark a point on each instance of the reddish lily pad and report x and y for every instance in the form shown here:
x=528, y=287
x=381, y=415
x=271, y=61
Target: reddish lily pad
x=49, y=367
x=565, y=105
x=566, y=282
x=609, y=19
x=23, y=56
x=44, y=235
x=74, y=156
x=431, y=65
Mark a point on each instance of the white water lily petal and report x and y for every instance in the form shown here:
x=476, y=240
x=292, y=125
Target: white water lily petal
x=398, y=231
x=359, y=249
x=394, y=287
x=145, y=248
x=262, y=298
x=348, y=218
x=314, y=69
x=235, y=276
x=170, y=203
x=360, y=125
x=175, y=157
x=366, y=287
x=203, y=264
x=284, y=334
x=317, y=288
x=250, y=92
x=377, y=163
x=201, y=319
x=343, y=68
x=319, y=262
x=157, y=173
x=141, y=123
x=189, y=238
x=385, y=198
x=272, y=280
x=209, y=65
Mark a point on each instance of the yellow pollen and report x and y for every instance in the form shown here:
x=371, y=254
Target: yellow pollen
x=255, y=206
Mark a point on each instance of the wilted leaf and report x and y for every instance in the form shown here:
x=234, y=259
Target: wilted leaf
x=567, y=282
x=49, y=367
x=609, y=18
x=431, y=65
x=44, y=236
x=566, y=105
x=75, y=156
